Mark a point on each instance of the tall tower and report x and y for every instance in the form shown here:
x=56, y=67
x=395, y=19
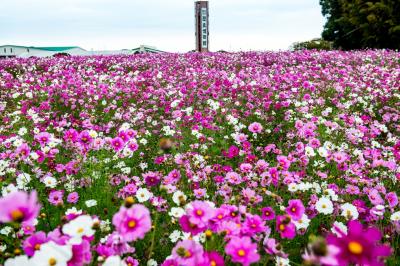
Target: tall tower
x=202, y=25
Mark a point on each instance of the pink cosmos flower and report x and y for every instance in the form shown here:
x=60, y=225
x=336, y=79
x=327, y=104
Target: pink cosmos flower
x=152, y=178
x=233, y=151
x=359, y=246
x=23, y=150
x=339, y=157
x=295, y=209
x=285, y=227
x=392, y=199
x=189, y=227
x=375, y=197
x=33, y=243
x=71, y=135
x=43, y=138
x=272, y=247
x=81, y=254
x=199, y=213
x=188, y=253
x=56, y=197
x=19, y=207
x=85, y=139
x=242, y=250
x=132, y=223
x=117, y=144
x=124, y=136
x=73, y=197
x=255, y=127
x=253, y=224
x=233, y=178
x=268, y=213
x=283, y=162
x=131, y=261
x=213, y=258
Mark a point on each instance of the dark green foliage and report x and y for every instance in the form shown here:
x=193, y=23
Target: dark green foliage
x=317, y=44
x=359, y=24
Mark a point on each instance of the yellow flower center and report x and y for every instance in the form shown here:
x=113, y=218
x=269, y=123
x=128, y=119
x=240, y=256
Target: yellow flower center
x=213, y=263
x=281, y=227
x=199, y=212
x=220, y=216
x=188, y=254
x=17, y=215
x=37, y=247
x=293, y=209
x=52, y=261
x=241, y=252
x=80, y=230
x=131, y=223
x=355, y=247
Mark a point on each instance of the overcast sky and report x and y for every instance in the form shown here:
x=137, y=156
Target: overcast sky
x=167, y=24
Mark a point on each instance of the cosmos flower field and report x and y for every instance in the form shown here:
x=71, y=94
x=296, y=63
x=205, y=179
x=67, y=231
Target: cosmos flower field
x=274, y=158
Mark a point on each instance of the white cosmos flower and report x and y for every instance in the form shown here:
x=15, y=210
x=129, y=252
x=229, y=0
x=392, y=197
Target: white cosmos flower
x=18, y=261
x=91, y=203
x=309, y=151
x=152, y=262
x=349, y=211
x=175, y=236
x=177, y=212
x=114, y=261
x=8, y=189
x=78, y=228
x=52, y=254
x=303, y=223
x=324, y=205
x=74, y=211
x=50, y=181
x=282, y=261
x=178, y=197
x=322, y=152
x=142, y=194
x=339, y=228
x=395, y=216
x=22, y=131
x=293, y=187
x=22, y=180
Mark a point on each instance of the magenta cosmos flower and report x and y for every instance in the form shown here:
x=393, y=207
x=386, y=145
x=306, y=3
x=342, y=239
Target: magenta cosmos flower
x=268, y=213
x=43, y=138
x=56, y=197
x=285, y=227
x=117, y=143
x=188, y=253
x=242, y=250
x=295, y=209
x=19, y=206
x=255, y=127
x=199, y=213
x=73, y=197
x=33, y=243
x=214, y=259
x=360, y=246
x=132, y=223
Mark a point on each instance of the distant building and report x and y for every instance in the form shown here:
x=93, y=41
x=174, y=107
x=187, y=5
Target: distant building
x=201, y=15
x=8, y=51
x=146, y=49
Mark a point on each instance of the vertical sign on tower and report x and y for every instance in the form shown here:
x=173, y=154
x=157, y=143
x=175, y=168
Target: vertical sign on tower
x=202, y=26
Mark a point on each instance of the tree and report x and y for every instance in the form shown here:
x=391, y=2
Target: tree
x=357, y=24
x=318, y=44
